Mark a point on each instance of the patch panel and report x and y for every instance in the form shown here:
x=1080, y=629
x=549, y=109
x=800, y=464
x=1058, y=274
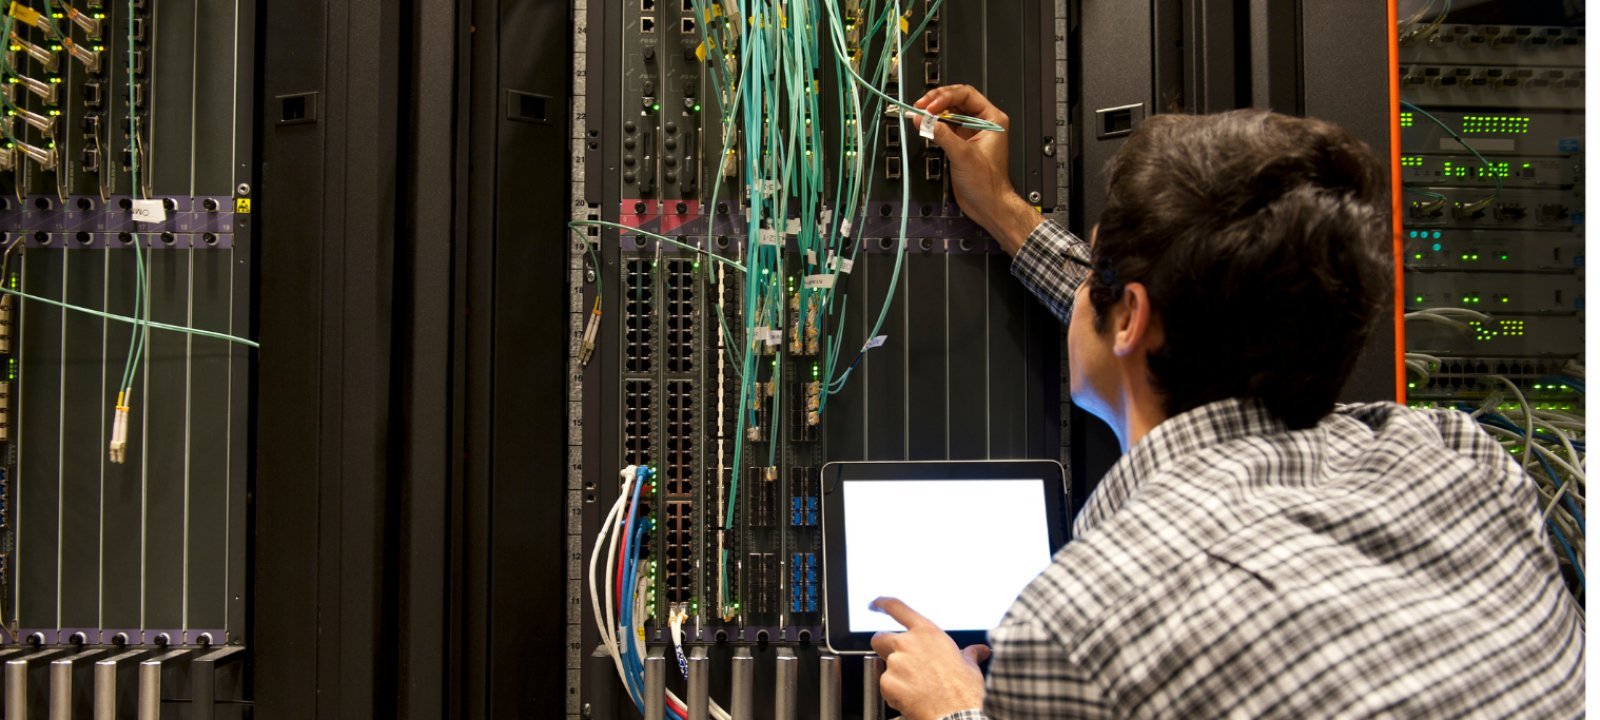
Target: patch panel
x=763, y=583
x=680, y=287
x=1499, y=45
x=803, y=582
x=638, y=315
x=1469, y=377
x=680, y=438
x=1509, y=209
x=678, y=553
x=763, y=496
x=639, y=399
x=1501, y=334
x=1513, y=293
x=803, y=500
x=1493, y=251
x=1466, y=170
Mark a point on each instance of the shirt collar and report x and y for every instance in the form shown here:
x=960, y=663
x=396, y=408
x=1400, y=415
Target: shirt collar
x=1188, y=432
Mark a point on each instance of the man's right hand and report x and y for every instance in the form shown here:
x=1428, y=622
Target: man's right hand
x=978, y=165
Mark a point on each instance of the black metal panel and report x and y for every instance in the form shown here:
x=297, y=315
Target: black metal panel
x=39, y=471
x=164, y=407
x=324, y=560
x=528, y=353
x=80, y=481
x=968, y=300
x=124, y=482
x=434, y=130
x=883, y=370
x=1346, y=81
x=928, y=357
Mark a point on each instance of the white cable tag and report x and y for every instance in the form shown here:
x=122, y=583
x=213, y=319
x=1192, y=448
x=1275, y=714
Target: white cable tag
x=774, y=337
x=824, y=217
x=926, y=128
x=768, y=236
x=149, y=211
x=811, y=257
x=875, y=342
x=792, y=227
x=842, y=264
x=844, y=227
x=819, y=282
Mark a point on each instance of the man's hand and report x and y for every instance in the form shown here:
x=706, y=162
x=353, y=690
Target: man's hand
x=926, y=677
x=978, y=165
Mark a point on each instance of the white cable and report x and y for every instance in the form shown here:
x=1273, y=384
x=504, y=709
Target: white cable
x=603, y=621
x=1527, y=409
x=1440, y=319
x=1552, y=457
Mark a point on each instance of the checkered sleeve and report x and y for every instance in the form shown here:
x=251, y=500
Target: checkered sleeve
x=1032, y=676
x=1462, y=434
x=1044, y=268
x=973, y=714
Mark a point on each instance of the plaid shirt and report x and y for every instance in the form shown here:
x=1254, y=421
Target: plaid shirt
x=1388, y=561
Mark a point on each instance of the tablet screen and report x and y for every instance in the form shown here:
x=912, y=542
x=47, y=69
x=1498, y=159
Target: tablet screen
x=957, y=551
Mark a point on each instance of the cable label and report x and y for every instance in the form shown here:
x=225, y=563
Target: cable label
x=925, y=129
x=149, y=211
x=875, y=342
x=819, y=282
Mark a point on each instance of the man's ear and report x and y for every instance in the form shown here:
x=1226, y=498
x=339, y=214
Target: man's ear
x=1135, y=324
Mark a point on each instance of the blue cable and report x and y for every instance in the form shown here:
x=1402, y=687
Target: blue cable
x=1504, y=423
x=1571, y=556
x=633, y=668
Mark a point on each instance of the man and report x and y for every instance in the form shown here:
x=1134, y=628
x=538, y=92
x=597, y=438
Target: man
x=1258, y=551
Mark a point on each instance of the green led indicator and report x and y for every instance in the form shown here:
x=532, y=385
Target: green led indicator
x=1504, y=299
x=655, y=108
x=1419, y=298
x=1504, y=256
x=697, y=107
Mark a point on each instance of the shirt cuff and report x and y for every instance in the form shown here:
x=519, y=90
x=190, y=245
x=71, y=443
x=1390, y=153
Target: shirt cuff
x=973, y=714
x=1043, y=266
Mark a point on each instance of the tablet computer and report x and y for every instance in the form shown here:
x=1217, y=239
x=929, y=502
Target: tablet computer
x=957, y=541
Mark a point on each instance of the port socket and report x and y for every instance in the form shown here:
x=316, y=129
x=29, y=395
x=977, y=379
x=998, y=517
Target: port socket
x=647, y=25
x=891, y=134
x=930, y=72
x=891, y=168
x=687, y=26
x=935, y=168
x=647, y=5
x=1553, y=213
x=930, y=41
x=1510, y=212
x=91, y=94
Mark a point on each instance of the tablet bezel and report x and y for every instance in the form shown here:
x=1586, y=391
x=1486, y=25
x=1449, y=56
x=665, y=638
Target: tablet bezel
x=835, y=607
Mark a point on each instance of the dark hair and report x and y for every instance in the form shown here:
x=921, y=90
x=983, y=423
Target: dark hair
x=1261, y=240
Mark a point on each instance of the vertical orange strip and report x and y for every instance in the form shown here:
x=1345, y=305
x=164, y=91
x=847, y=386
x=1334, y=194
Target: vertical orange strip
x=1394, y=183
